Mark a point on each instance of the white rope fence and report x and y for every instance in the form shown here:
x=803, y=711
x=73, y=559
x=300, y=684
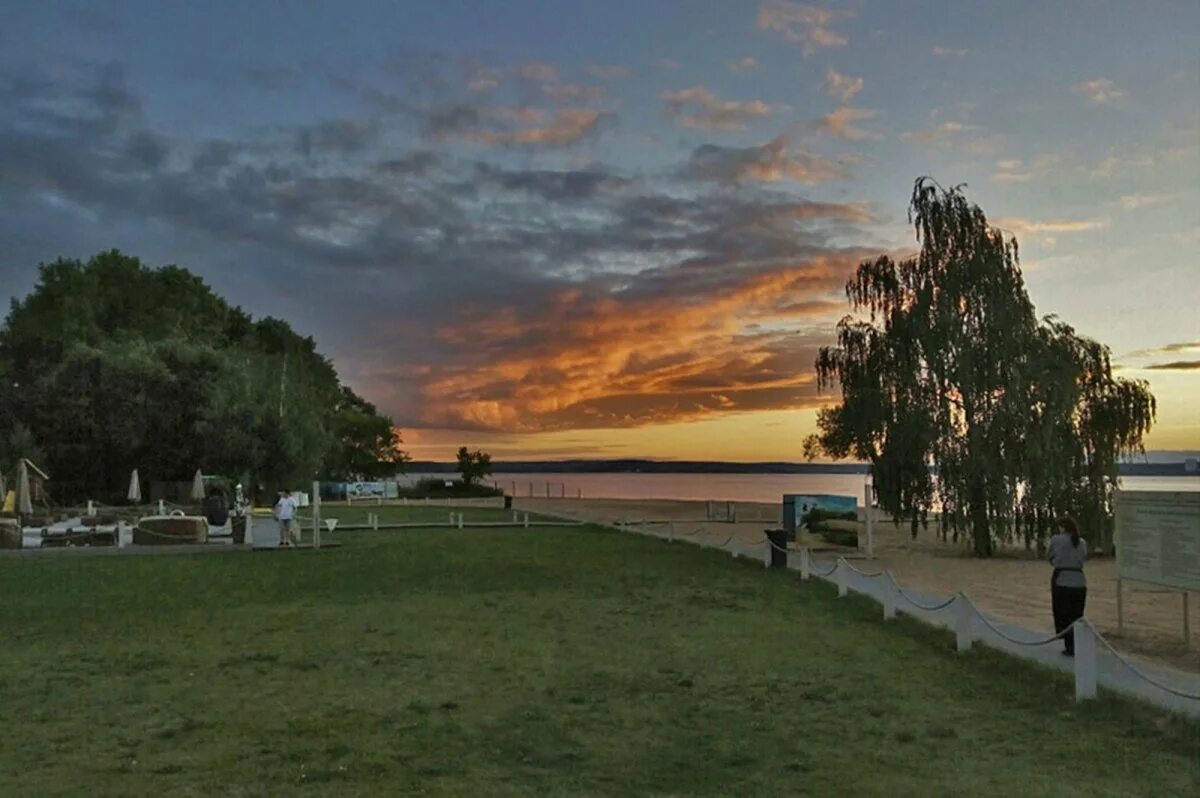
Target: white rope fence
x=966, y=614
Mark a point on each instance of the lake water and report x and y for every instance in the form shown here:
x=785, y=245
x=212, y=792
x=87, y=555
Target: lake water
x=726, y=487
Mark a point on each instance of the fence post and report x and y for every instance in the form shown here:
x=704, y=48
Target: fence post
x=889, y=596
x=839, y=573
x=1085, y=661
x=460, y=520
x=375, y=521
x=527, y=520
x=963, y=615
x=451, y=518
x=805, y=565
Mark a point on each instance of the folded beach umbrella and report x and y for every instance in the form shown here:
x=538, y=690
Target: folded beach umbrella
x=24, y=499
x=135, y=488
x=198, y=486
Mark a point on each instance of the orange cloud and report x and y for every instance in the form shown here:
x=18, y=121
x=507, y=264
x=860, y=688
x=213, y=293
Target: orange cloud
x=841, y=87
x=806, y=25
x=697, y=107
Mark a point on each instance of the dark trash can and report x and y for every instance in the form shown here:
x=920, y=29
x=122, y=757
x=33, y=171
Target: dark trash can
x=778, y=539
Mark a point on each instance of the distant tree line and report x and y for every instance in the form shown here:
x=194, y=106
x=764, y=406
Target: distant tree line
x=110, y=365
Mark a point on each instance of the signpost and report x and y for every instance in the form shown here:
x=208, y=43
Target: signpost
x=1158, y=542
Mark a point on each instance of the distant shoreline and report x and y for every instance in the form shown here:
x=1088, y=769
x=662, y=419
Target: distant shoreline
x=717, y=467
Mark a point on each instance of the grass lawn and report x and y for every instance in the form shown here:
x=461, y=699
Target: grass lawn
x=572, y=661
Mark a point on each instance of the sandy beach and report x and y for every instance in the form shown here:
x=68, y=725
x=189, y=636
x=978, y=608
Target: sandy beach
x=1013, y=585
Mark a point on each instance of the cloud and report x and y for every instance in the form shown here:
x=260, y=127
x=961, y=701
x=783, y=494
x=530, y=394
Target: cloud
x=1132, y=202
x=841, y=123
x=480, y=291
x=537, y=71
x=1049, y=229
x=841, y=87
x=1177, y=365
x=803, y=24
x=956, y=136
x=484, y=79
x=668, y=63
x=772, y=162
x=608, y=71
x=1168, y=349
x=1100, y=91
x=697, y=107
x=519, y=126
x=938, y=49
x=573, y=92
x=1009, y=170
x=743, y=65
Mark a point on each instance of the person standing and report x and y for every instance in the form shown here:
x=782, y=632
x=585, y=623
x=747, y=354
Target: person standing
x=285, y=512
x=1068, y=585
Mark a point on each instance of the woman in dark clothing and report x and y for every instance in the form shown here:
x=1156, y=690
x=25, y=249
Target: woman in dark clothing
x=1068, y=586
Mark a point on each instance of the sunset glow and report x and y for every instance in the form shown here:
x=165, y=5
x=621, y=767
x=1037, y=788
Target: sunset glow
x=622, y=231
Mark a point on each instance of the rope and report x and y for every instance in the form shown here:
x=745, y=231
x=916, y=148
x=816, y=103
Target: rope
x=1011, y=639
x=812, y=566
x=917, y=604
x=861, y=573
x=1143, y=676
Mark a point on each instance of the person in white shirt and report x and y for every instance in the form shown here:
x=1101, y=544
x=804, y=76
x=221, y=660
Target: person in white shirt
x=285, y=512
x=1068, y=586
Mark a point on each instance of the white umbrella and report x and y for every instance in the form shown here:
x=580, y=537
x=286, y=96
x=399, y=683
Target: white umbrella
x=24, y=500
x=135, y=488
x=198, y=486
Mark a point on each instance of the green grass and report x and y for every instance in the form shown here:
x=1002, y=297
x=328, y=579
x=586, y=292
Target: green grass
x=570, y=661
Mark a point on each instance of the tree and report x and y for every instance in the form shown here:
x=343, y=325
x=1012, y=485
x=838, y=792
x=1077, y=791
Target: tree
x=473, y=465
x=109, y=365
x=961, y=400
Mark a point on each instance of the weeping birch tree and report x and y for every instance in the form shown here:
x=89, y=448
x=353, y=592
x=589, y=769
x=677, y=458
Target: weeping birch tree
x=963, y=401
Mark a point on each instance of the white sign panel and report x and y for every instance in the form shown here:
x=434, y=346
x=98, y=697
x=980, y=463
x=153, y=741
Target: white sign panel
x=1158, y=538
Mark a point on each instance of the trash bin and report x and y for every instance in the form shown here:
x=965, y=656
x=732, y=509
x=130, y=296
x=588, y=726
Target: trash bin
x=778, y=539
x=507, y=502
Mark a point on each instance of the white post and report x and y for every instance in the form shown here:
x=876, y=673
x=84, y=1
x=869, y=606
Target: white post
x=889, y=596
x=375, y=521
x=460, y=520
x=316, y=511
x=451, y=518
x=671, y=531
x=516, y=520
x=91, y=511
x=839, y=572
x=527, y=520
x=805, y=565
x=766, y=546
x=162, y=510
x=963, y=615
x=1085, y=661
x=870, y=525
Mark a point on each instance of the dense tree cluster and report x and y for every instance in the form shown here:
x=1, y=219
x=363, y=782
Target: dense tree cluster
x=110, y=365
x=963, y=401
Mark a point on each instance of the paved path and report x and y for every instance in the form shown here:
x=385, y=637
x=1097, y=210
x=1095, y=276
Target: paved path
x=1112, y=673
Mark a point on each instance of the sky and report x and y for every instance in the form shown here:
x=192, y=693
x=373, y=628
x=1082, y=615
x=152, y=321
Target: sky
x=609, y=229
